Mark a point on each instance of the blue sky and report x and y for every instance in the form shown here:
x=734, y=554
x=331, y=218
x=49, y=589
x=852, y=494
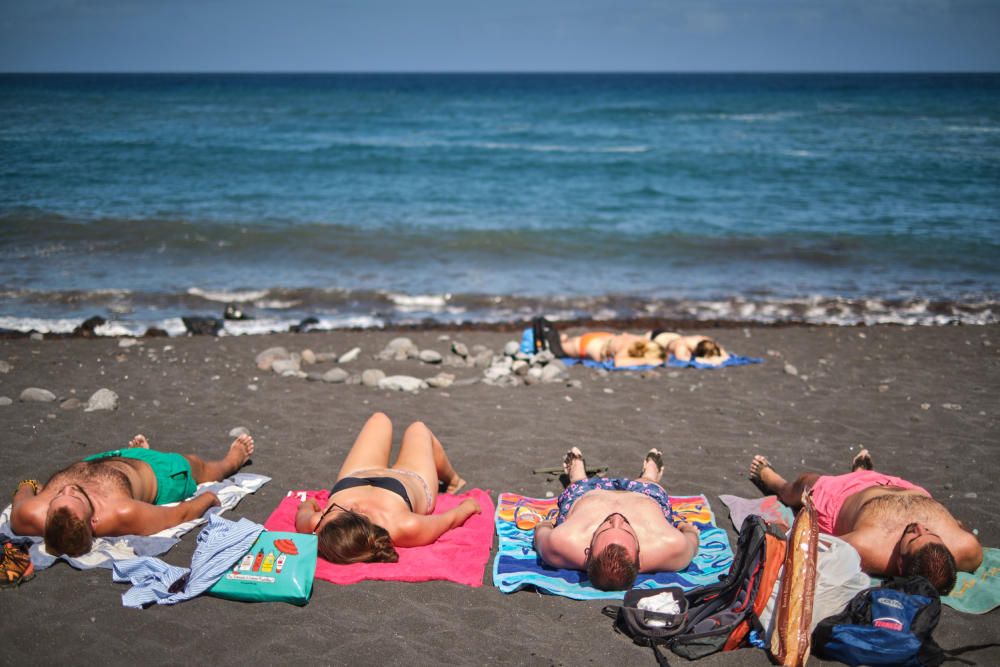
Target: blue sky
x=513, y=35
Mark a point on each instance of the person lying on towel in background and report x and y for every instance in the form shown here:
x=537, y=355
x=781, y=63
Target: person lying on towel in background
x=702, y=349
x=119, y=493
x=894, y=524
x=625, y=349
x=373, y=507
x=616, y=528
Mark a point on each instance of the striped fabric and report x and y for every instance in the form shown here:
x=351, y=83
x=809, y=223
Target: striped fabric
x=220, y=544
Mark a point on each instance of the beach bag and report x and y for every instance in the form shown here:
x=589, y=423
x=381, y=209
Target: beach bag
x=725, y=616
x=279, y=567
x=889, y=624
x=637, y=619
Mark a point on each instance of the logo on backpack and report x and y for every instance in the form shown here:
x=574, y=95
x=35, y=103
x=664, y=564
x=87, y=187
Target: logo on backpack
x=889, y=602
x=888, y=624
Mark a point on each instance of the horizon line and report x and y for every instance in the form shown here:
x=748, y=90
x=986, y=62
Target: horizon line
x=497, y=72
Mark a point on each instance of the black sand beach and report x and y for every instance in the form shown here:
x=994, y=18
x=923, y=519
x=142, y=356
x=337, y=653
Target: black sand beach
x=918, y=398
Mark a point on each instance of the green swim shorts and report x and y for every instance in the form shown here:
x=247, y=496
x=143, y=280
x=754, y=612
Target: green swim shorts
x=174, y=481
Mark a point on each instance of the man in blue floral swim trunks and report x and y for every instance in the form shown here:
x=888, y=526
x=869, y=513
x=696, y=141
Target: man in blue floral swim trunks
x=615, y=528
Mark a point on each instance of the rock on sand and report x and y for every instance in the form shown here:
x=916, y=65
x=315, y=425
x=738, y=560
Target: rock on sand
x=430, y=357
x=37, y=395
x=103, y=399
x=401, y=383
x=441, y=381
x=335, y=375
x=371, y=377
x=269, y=356
x=349, y=356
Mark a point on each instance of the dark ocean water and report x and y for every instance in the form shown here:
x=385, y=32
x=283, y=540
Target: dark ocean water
x=374, y=199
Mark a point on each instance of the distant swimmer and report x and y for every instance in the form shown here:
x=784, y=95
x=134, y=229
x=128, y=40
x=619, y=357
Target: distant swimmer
x=894, y=524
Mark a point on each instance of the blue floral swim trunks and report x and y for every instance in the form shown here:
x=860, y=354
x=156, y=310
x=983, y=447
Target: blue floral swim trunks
x=578, y=490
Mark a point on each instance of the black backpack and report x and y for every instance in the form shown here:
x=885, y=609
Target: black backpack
x=718, y=617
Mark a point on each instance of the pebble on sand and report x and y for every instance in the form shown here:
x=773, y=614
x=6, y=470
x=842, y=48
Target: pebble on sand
x=371, y=377
x=399, y=349
x=102, y=399
x=335, y=375
x=269, y=356
x=401, y=383
x=430, y=357
x=5, y=367
x=238, y=431
x=282, y=366
x=441, y=381
x=70, y=404
x=791, y=370
x=37, y=395
x=349, y=356
x=5, y=400
x=494, y=373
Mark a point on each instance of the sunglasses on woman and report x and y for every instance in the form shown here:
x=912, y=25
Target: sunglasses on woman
x=333, y=506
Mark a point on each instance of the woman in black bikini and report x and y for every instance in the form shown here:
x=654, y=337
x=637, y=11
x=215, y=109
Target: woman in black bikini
x=373, y=507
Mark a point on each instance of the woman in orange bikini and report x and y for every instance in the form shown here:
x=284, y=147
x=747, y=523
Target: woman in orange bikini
x=624, y=349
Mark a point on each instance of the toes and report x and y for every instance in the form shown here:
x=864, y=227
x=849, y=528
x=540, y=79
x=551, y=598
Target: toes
x=758, y=464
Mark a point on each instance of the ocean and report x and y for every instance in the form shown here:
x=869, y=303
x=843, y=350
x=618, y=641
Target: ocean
x=385, y=199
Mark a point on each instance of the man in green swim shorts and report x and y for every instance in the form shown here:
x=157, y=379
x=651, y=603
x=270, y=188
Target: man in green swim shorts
x=121, y=492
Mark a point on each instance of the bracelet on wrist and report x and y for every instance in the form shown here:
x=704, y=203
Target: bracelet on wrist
x=33, y=483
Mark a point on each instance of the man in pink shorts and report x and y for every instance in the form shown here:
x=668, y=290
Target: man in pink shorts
x=894, y=524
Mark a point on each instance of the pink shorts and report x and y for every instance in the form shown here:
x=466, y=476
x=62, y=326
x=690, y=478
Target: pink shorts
x=830, y=492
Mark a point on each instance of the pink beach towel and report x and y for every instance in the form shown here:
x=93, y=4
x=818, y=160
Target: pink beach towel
x=460, y=555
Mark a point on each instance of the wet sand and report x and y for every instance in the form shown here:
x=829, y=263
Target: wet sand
x=923, y=400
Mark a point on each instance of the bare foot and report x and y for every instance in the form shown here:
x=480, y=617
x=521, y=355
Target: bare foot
x=764, y=477
x=574, y=465
x=454, y=484
x=652, y=466
x=239, y=452
x=863, y=461
x=138, y=442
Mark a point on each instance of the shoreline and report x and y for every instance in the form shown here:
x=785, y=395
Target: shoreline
x=851, y=386
x=203, y=327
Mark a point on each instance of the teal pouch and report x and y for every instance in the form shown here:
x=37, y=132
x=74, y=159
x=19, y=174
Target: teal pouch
x=279, y=567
